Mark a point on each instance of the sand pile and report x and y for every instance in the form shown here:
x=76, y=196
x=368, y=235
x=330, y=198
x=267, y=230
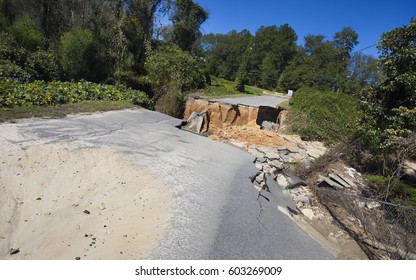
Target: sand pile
x=58, y=202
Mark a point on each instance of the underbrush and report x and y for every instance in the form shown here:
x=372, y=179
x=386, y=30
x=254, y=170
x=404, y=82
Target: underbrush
x=402, y=193
x=39, y=93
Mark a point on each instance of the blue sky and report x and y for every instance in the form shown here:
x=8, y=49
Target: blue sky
x=368, y=18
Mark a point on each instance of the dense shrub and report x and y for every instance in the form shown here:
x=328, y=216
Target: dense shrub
x=40, y=93
x=324, y=116
x=26, y=32
x=172, y=73
x=11, y=50
x=75, y=50
x=44, y=66
x=11, y=71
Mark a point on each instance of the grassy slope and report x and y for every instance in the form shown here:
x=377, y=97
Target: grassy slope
x=221, y=88
x=60, y=111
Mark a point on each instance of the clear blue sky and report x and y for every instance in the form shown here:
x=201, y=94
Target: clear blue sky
x=368, y=18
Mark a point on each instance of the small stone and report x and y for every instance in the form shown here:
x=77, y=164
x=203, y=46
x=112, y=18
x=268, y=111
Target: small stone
x=87, y=212
x=77, y=258
x=308, y=213
x=14, y=251
x=372, y=205
x=38, y=198
x=259, y=166
x=302, y=198
x=261, y=160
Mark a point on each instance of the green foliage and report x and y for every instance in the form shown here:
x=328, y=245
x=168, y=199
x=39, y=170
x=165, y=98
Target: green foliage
x=398, y=63
x=44, y=66
x=187, y=18
x=39, y=93
x=27, y=33
x=241, y=77
x=75, y=52
x=388, y=126
x=10, y=50
x=172, y=73
x=273, y=48
x=170, y=66
x=9, y=70
x=224, y=52
x=402, y=193
x=323, y=116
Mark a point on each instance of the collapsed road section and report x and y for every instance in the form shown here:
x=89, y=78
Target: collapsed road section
x=256, y=129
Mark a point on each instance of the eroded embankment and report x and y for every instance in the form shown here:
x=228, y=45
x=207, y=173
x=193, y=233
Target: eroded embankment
x=239, y=124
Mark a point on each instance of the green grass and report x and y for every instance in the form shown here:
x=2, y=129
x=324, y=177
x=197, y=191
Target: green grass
x=221, y=88
x=285, y=104
x=60, y=111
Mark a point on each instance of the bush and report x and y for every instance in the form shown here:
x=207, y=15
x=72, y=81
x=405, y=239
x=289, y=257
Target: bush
x=44, y=66
x=11, y=71
x=27, y=33
x=13, y=94
x=11, y=50
x=173, y=72
x=323, y=116
x=75, y=52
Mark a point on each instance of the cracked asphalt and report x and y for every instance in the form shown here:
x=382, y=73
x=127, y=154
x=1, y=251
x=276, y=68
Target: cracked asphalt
x=218, y=212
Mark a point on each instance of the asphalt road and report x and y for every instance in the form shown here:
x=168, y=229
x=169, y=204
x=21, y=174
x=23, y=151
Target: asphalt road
x=218, y=213
x=255, y=101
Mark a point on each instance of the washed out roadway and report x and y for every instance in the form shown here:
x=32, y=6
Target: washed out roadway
x=217, y=213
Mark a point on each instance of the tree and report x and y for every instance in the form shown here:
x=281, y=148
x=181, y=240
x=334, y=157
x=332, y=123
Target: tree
x=398, y=65
x=313, y=43
x=187, y=18
x=362, y=71
x=224, y=52
x=346, y=40
x=388, y=128
x=273, y=48
x=241, y=75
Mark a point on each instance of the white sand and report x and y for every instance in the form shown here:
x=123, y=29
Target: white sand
x=45, y=189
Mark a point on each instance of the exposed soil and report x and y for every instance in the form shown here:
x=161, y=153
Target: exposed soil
x=61, y=202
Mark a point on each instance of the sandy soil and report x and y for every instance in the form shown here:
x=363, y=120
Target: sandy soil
x=60, y=202
x=245, y=136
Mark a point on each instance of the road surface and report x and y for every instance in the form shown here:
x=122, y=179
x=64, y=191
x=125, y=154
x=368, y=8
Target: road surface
x=255, y=101
x=217, y=213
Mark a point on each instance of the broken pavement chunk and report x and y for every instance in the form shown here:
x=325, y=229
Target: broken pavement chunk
x=330, y=182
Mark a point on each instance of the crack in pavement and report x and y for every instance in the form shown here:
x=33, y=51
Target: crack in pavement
x=261, y=208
